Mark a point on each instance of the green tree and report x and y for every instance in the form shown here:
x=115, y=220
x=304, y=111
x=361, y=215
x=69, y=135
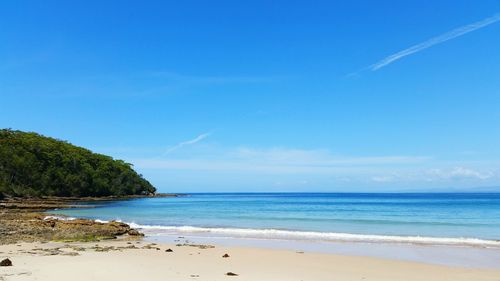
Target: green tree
x=34, y=165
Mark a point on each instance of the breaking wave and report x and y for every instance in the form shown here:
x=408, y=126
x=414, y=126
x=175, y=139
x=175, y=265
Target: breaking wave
x=313, y=236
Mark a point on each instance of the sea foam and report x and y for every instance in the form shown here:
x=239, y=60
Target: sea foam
x=313, y=236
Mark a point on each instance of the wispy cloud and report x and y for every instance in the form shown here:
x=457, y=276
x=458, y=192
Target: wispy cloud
x=188, y=142
x=319, y=157
x=319, y=167
x=273, y=161
x=436, y=40
x=460, y=173
x=383, y=179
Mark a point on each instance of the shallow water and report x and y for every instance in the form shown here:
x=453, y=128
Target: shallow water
x=452, y=229
x=422, y=218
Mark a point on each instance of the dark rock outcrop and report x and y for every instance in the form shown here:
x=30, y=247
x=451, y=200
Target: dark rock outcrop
x=6, y=262
x=18, y=225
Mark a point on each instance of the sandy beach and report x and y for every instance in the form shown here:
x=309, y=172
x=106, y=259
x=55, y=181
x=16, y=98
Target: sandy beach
x=142, y=260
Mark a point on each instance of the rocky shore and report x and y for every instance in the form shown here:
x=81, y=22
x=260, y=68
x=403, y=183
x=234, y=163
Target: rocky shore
x=22, y=220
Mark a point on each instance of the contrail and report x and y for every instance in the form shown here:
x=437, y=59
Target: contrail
x=436, y=40
x=188, y=142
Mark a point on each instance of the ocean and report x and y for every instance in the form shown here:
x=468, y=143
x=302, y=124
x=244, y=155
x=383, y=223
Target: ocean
x=432, y=218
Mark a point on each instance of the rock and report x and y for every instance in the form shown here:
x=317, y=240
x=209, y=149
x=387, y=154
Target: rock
x=118, y=224
x=169, y=250
x=135, y=232
x=6, y=262
x=20, y=221
x=231, y=274
x=225, y=256
x=51, y=223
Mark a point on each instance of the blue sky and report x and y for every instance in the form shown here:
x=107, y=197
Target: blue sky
x=264, y=95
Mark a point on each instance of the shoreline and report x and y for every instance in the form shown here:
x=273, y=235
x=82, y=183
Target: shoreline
x=195, y=257
x=453, y=251
x=447, y=255
x=460, y=255
x=300, y=235
x=135, y=260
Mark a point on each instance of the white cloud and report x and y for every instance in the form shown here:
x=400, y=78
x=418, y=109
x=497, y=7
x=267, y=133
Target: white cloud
x=434, y=41
x=188, y=142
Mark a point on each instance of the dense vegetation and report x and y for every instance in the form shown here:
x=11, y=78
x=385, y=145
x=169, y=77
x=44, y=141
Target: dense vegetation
x=34, y=165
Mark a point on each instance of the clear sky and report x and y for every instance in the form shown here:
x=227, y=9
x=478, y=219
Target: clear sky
x=264, y=95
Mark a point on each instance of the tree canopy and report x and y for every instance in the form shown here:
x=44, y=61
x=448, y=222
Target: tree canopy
x=35, y=165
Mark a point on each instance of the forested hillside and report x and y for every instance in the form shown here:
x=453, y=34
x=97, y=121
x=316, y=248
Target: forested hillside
x=34, y=165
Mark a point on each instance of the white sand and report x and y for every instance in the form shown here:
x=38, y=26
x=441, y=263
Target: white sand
x=191, y=263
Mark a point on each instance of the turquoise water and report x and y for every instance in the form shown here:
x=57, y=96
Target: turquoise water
x=321, y=216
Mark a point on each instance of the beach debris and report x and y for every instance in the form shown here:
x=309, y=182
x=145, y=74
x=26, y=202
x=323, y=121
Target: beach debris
x=199, y=246
x=6, y=262
x=169, y=250
x=46, y=252
x=103, y=248
x=231, y=274
x=225, y=256
x=194, y=275
x=78, y=249
x=151, y=246
x=299, y=252
x=71, y=254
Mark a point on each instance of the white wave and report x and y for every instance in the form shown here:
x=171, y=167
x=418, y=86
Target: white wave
x=58, y=218
x=62, y=218
x=316, y=236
